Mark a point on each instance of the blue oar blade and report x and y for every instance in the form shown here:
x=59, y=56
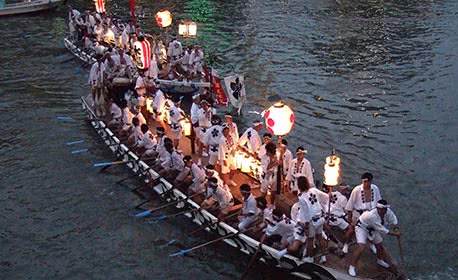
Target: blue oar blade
x=64, y=118
x=171, y=242
x=99, y=164
x=160, y=217
x=180, y=253
x=143, y=214
x=74, y=142
x=79, y=151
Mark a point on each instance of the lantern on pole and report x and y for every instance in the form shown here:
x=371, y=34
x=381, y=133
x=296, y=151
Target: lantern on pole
x=187, y=127
x=142, y=53
x=100, y=6
x=332, y=170
x=279, y=119
x=187, y=29
x=163, y=18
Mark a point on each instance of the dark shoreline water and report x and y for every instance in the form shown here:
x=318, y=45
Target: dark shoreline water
x=374, y=79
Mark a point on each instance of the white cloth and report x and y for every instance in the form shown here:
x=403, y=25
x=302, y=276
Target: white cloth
x=222, y=196
x=252, y=139
x=194, y=113
x=116, y=112
x=226, y=154
x=174, y=161
x=249, y=207
x=212, y=139
x=370, y=226
x=286, y=160
x=295, y=170
x=159, y=102
x=311, y=205
x=284, y=228
x=234, y=131
x=148, y=142
x=358, y=204
x=96, y=75
x=175, y=51
x=336, y=210
x=268, y=175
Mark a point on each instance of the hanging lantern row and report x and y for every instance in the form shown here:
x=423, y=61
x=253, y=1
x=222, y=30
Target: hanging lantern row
x=279, y=119
x=142, y=53
x=332, y=170
x=163, y=18
x=100, y=6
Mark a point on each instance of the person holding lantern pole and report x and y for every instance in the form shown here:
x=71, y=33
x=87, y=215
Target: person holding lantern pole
x=298, y=167
x=269, y=165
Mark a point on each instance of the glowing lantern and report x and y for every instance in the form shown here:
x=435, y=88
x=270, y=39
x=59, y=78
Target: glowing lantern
x=163, y=18
x=279, y=119
x=100, y=6
x=238, y=159
x=142, y=53
x=246, y=163
x=187, y=127
x=149, y=105
x=109, y=37
x=188, y=29
x=332, y=170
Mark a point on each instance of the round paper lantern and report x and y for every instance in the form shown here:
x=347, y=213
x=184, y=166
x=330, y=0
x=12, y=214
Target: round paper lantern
x=279, y=119
x=163, y=18
x=142, y=53
x=100, y=6
x=332, y=170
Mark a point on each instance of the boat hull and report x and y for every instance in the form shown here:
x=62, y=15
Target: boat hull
x=29, y=7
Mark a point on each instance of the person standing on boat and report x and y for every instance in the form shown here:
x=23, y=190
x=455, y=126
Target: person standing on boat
x=174, y=51
x=298, y=167
x=158, y=106
x=269, y=166
x=96, y=82
x=250, y=211
x=220, y=195
x=233, y=130
x=372, y=226
x=226, y=151
x=251, y=138
x=196, y=61
x=212, y=139
x=204, y=116
x=286, y=157
x=363, y=198
x=176, y=116
x=309, y=224
x=267, y=137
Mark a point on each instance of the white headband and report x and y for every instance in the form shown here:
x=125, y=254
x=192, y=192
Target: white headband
x=379, y=205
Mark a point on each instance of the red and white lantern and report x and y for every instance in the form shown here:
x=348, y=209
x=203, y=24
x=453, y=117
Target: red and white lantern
x=100, y=6
x=163, y=18
x=279, y=119
x=142, y=53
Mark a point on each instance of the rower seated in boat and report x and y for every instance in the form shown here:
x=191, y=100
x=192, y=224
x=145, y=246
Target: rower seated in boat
x=173, y=163
x=191, y=174
x=218, y=198
x=147, y=145
x=279, y=225
x=372, y=225
x=115, y=113
x=136, y=134
x=250, y=211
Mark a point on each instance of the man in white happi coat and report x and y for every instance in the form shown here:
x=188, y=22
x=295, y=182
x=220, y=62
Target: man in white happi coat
x=372, y=225
x=218, y=198
x=175, y=51
x=250, y=211
x=309, y=221
x=136, y=134
x=204, y=116
x=127, y=117
x=298, y=167
x=211, y=140
x=363, y=197
x=251, y=138
x=148, y=143
x=269, y=166
x=196, y=61
x=279, y=225
x=116, y=114
x=173, y=163
x=159, y=106
x=267, y=138
x=233, y=130
x=96, y=82
x=192, y=175
x=226, y=153
x=176, y=116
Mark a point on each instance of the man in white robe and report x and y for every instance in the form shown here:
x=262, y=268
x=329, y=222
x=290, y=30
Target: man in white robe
x=298, y=167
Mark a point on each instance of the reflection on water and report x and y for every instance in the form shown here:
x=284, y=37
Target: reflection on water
x=374, y=79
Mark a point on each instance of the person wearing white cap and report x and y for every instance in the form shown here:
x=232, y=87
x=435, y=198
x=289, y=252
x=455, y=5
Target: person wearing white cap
x=298, y=167
x=251, y=138
x=176, y=116
x=226, y=150
x=372, y=225
x=220, y=195
x=363, y=197
x=309, y=224
x=233, y=130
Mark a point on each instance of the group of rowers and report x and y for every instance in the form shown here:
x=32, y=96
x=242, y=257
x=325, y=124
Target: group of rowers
x=363, y=214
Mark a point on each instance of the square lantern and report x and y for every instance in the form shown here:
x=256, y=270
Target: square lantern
x=187, y=29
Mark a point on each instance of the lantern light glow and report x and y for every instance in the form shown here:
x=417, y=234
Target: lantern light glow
x=163, y=18
x=332, y=170
x=100, y=6
x=279, y=119
x=187, y=29
x=142, y=53
x=187, y=127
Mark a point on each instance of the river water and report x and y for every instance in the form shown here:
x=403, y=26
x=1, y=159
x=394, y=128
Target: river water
x=374, y=79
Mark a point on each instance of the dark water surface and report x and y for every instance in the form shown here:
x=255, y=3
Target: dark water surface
x=375, y=79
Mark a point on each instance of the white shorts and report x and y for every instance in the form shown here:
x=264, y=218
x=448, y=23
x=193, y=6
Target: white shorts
x=226, y=169
x=266, y=183
x=338, y=222
x=362, y=235
x=213, y=159
x=176, y=131
x=225, y=208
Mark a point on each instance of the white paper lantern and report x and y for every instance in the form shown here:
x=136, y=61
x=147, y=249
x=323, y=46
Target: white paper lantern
x=279, y=119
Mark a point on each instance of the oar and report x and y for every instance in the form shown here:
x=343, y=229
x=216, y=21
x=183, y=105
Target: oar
x=403, y=263
x=64, y=118
x=163, y=217
x=148, y=200
x=252, y=260
x=182, y=252
x=74, y=142
x=149, y=211
x=79, y=151
x=142, y=173
x=110, y=163
x=206, y=225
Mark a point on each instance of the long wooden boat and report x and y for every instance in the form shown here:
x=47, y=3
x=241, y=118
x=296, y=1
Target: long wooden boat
x=29, y=7
x=182, y=87
x=335, y=268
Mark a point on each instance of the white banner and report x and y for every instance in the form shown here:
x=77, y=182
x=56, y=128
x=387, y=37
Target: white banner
x=235, y=88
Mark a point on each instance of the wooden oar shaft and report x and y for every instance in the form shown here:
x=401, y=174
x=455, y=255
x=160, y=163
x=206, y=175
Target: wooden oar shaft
x=212, y=223
x=252, y=260
x=173, y=203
